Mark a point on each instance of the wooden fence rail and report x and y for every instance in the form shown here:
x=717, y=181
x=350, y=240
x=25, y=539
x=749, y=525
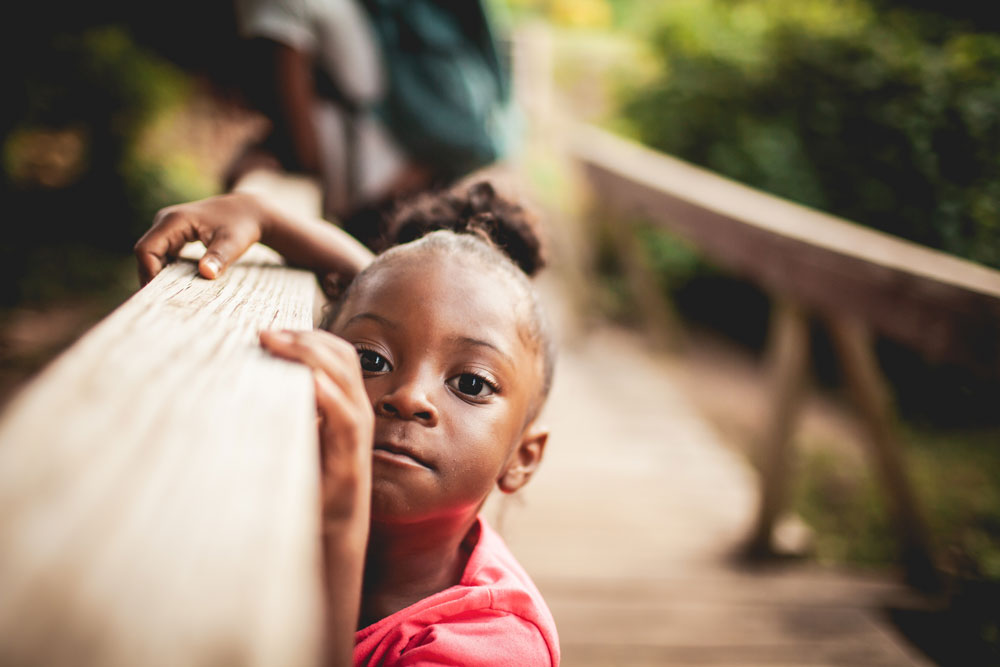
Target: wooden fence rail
x=855, y=279
x=158, y=481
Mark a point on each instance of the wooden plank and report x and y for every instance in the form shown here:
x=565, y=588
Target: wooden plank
x=158, y=484
x=736, y=584
x=792, y=615
x=947, y=307
x=678, y=632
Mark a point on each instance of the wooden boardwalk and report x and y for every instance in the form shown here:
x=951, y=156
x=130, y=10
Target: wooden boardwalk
x=631, y=524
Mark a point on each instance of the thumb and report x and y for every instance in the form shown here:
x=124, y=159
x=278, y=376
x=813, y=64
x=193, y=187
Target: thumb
x=224, y=248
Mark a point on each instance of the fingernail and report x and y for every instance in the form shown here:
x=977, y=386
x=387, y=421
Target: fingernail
x=212, y=266
x=276, y=336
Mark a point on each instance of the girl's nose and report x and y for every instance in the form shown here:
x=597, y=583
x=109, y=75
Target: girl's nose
x=408, y=401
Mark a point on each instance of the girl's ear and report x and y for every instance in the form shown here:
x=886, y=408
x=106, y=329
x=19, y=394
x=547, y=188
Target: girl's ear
x=525, y=459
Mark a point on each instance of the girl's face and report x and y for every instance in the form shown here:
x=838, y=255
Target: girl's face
x=452, y=377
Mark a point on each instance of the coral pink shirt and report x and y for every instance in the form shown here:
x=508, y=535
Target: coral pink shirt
x=493, y=616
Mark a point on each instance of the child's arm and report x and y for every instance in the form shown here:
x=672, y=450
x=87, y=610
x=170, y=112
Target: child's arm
x=346, y=433
x=229, y=224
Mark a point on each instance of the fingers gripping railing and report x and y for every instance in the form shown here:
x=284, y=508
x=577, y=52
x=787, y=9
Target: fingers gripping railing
x=158, y=481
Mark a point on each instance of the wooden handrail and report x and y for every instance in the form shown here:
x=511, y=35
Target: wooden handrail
x=944, y=306
x=158, y=482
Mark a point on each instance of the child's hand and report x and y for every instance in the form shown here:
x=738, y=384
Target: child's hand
x=346, y=417
x=346, y=432
x=228, y=225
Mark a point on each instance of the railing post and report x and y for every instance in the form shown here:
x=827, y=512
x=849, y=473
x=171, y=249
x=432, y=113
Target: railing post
x=857, y=358
x=788, y=358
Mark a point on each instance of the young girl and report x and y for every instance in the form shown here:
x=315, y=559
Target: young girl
x=428, y=384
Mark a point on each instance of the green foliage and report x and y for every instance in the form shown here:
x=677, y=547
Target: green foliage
x=672, y=259
x=844, y=507
x=866, y=116
x=98, y=80
x=956, y=475
x=77, y=188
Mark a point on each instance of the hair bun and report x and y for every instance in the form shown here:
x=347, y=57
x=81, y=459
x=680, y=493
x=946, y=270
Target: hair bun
x=478, y=210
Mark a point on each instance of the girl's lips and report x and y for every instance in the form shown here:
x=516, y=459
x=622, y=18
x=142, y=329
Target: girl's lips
x=391, y=453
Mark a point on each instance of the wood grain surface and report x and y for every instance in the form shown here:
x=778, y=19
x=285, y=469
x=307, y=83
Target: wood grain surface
x=158, y=484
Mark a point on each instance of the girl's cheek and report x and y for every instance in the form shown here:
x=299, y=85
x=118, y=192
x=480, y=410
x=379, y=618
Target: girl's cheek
x=372, y=388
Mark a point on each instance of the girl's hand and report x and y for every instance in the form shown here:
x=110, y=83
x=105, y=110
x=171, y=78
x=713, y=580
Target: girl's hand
x=346, y=417
x=227, y=224
x=346, y=432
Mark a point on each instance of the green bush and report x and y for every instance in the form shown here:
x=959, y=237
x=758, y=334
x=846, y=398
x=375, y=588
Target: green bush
x=872, y=117
x=76, y=188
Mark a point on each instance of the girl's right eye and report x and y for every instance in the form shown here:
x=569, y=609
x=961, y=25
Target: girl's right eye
x=372, y=361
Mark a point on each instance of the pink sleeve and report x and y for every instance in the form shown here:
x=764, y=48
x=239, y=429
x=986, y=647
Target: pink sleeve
x=478, y=638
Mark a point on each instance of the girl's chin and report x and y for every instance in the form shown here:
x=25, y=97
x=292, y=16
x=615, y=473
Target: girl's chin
x=391, y=504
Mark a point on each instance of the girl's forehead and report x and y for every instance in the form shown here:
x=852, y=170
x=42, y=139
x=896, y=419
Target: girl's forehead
x=438, y=285
x=453, y=296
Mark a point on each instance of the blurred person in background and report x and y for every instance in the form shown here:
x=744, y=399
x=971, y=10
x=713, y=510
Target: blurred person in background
x=377, y=99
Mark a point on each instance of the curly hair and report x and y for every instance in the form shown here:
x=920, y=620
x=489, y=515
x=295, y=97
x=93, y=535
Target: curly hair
x=476, y=209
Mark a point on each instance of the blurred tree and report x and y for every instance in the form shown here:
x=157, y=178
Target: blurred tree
x=875, y=123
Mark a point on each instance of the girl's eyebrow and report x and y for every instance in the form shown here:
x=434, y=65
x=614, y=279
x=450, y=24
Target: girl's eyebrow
x=484, y=343
x=372, y=316
x=458, y=340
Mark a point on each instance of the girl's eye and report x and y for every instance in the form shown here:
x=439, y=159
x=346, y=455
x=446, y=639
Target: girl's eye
x=473, y=385
x=372, y=361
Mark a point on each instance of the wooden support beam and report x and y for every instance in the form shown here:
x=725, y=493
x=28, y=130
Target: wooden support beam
x=857, y=358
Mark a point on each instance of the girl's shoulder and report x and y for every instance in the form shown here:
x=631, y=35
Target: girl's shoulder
x=495, y=610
